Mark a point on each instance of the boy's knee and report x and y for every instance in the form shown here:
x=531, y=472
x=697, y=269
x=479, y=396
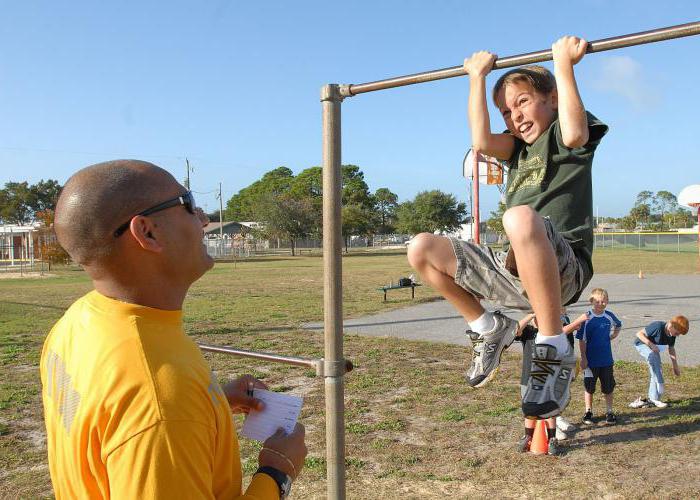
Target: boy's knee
x=521, y=222
x=419, y=248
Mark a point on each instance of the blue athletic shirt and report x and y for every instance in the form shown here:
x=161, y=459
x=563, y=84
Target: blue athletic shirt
x=656, y=332
x=596, y=333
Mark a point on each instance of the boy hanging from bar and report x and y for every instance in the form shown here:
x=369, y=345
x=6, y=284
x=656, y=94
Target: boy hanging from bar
x=549, y=146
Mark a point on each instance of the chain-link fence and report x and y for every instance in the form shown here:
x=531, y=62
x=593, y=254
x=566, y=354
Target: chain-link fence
x=648, y=242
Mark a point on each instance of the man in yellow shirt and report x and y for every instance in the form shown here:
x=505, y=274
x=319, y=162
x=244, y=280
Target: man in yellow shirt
x=132, y=409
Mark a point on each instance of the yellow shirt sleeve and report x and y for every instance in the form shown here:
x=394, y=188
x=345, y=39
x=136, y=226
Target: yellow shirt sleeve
x=173, y=460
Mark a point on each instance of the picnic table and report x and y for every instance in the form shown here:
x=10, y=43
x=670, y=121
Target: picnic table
x=412, y=286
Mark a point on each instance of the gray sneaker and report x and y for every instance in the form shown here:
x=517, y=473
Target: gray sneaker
x=547, y=391
x=554, y=447
x=488, y=348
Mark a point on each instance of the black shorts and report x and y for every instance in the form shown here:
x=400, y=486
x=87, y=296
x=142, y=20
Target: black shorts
x=607, y=380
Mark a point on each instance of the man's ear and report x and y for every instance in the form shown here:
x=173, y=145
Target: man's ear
x=554, y=99
x=143, y=230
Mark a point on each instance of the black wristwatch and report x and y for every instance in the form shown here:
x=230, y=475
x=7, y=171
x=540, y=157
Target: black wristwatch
x=284, y=482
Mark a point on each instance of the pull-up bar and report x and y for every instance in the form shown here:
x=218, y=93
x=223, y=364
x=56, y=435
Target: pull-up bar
x=332, y=96
x=616, y=42
x=319, y=365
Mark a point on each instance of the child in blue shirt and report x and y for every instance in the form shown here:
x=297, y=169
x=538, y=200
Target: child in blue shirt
x=596, y=354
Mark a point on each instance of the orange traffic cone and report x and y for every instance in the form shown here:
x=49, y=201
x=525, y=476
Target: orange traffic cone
x=540, y=442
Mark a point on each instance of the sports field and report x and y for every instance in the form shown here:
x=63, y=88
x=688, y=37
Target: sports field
x=414, y=430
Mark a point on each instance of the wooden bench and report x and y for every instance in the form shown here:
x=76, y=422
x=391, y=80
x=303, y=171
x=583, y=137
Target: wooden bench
x=412, y=286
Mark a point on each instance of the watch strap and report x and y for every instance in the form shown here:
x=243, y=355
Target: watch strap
x=284, y=482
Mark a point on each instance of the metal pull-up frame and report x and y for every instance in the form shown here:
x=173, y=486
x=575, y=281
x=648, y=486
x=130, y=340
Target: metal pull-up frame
x=333, y=366
x=332, y=96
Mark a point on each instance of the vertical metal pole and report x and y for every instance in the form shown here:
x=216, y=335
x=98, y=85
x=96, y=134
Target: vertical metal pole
x=475, y=219
x=698, y=207
x=332, y=293
x=221, y=223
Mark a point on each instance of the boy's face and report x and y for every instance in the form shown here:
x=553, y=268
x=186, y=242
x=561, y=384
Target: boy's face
x=527, y=113
x=599, y=304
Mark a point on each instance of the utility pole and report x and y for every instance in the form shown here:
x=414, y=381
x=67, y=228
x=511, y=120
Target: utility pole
x=187, y=180
x=221, y=215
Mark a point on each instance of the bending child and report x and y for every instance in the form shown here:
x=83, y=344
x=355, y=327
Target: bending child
x=650, y=342
x=549, y=146
x=596, y=354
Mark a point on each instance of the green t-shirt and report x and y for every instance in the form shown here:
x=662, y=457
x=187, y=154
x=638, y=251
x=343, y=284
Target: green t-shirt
x=555, y=181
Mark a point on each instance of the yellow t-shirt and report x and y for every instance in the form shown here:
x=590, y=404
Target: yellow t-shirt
x=132, y=409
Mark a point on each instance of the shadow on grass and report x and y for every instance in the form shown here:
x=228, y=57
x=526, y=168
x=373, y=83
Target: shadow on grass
x=384, y=253
x=317, y=326
x=245, y=330
x=647, y=425
x=243, y=260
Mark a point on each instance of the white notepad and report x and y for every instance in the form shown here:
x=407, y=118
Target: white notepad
x=281, y=410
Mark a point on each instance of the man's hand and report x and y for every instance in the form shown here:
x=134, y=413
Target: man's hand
x=654, y=347
x=569, y=49
x=238, y=392
x=479, y=64
x=285, y=452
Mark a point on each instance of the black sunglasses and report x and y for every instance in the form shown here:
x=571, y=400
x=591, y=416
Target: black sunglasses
x=187, y=200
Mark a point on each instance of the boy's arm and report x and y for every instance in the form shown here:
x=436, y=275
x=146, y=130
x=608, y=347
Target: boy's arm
x=524, y=321
x=674, y=361
x=498, y=145
x=582, y=348
x=642, y=336
x=615, y=333
x=575, y=324
x=567, y=51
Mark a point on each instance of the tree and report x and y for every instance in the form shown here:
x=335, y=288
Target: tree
x=644, y=198
x=20, y=201
x=16, y=203
x=47, y=242
x=640, y=213
x=44, y=195
x=287, y=217
x=430, y=211
x=666, y=202
x=245, y=205
x=385, y=203
x=495, y=222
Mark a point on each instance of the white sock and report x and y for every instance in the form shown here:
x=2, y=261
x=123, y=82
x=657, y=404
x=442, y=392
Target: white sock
x=484, y=323
x=559, y=341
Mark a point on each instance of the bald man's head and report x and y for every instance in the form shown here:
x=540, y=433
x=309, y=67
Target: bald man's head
x=99, y=198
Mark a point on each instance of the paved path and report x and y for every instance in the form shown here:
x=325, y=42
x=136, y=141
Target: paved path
x=635, y=301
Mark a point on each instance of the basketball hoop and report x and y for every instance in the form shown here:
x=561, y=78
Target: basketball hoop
x=690, y=197
x=491, y=170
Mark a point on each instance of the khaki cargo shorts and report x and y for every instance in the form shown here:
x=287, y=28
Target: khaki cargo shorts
x=493, y=275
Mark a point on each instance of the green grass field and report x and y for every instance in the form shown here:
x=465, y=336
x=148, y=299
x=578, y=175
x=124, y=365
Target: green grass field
x=413, y=429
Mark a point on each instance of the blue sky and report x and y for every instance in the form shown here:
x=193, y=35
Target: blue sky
x=235, y=85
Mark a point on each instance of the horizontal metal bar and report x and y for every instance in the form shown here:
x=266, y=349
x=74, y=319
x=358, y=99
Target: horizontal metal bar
x=618, y=42
x=317, y=364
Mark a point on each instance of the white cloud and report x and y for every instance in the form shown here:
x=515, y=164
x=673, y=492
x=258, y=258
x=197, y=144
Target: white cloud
x=625, y=77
